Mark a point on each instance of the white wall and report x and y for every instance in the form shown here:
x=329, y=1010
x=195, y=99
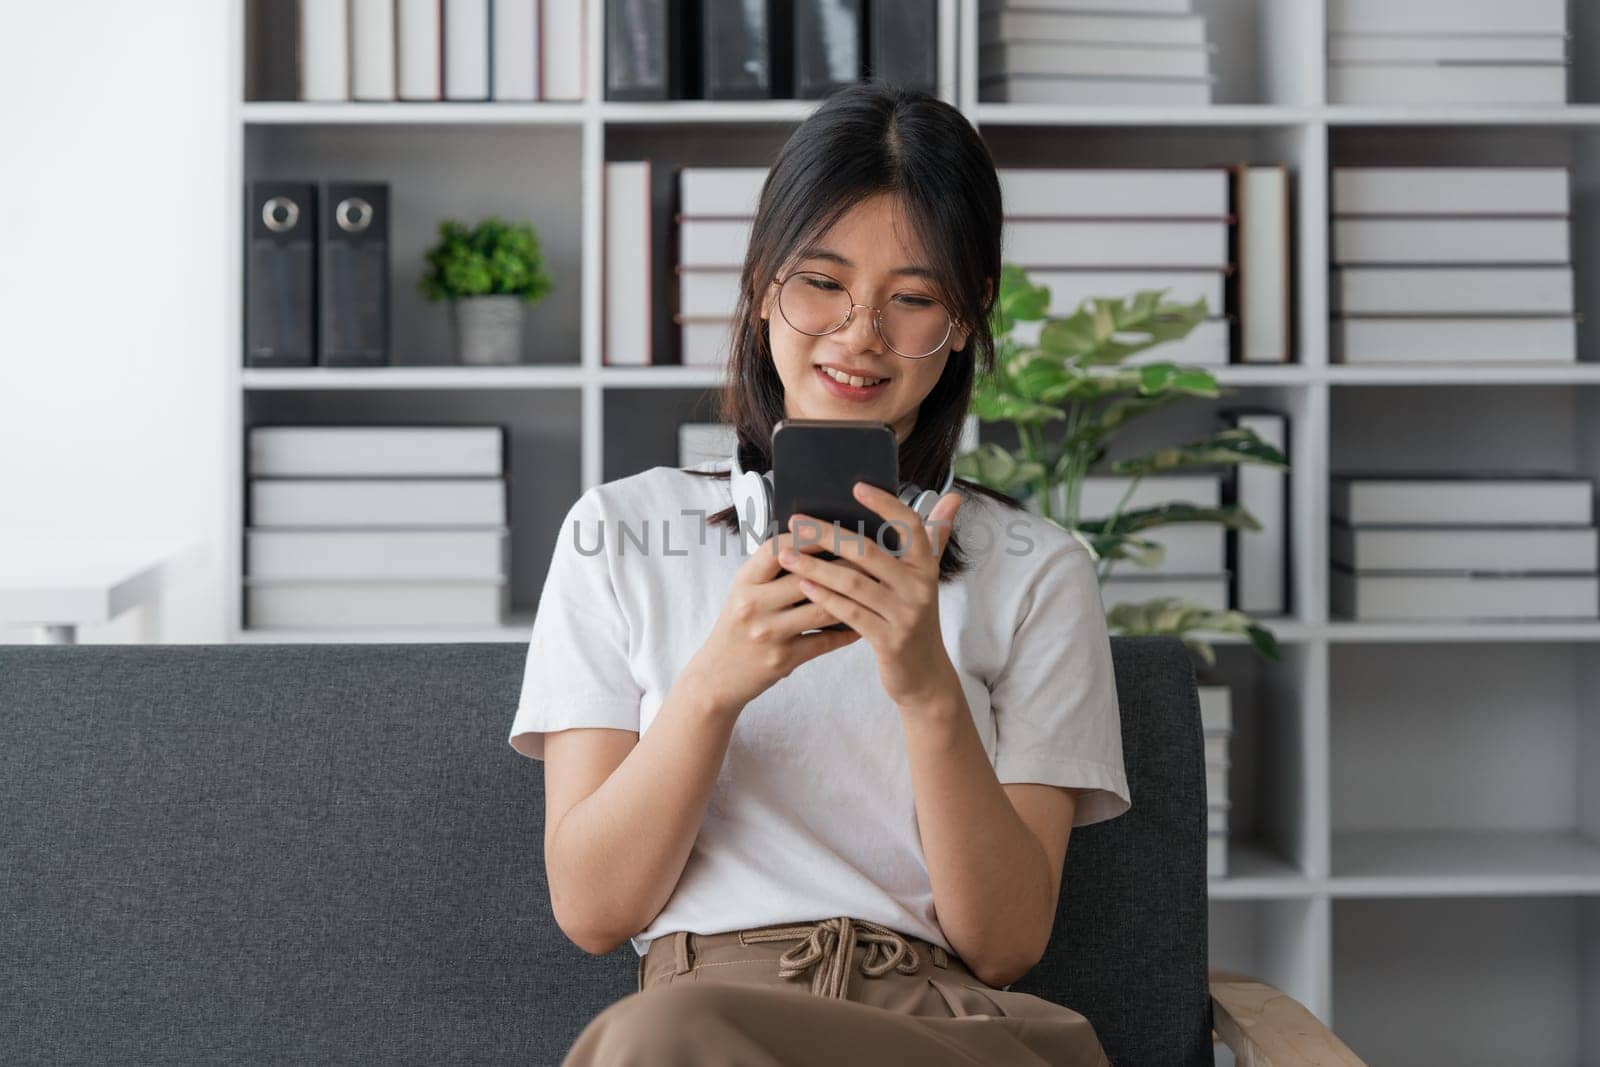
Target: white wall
x=114, y=327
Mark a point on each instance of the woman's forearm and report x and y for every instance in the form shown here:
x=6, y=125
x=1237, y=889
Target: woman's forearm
x=616, y=857
x=990, y=875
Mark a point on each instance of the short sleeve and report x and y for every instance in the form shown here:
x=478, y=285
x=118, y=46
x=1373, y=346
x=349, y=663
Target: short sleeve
x=1057, y=720
x=577, y=671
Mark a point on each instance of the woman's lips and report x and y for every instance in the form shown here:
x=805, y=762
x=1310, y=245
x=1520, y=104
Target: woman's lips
x=849, y=392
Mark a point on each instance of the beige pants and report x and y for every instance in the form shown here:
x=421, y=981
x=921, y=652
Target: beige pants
x=839, y=992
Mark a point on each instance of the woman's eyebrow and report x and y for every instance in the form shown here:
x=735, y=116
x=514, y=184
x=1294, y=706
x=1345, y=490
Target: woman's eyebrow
x=834, y=257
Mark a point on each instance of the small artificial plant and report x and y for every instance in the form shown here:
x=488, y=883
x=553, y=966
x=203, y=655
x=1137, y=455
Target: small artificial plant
x=1073, y=377
x=493, y=258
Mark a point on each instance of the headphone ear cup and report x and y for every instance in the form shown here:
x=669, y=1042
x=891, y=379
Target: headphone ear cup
x=924, y=503
x=752, y=500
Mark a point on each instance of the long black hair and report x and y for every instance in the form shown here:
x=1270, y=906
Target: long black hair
x=861, y=141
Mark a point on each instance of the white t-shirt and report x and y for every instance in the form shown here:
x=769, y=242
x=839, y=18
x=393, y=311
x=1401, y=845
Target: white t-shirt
x=812, y=814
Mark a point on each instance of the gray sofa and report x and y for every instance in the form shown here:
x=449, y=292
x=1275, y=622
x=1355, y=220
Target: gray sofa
x=328, y=853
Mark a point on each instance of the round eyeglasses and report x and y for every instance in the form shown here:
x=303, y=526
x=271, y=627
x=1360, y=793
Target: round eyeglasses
x=912, y=325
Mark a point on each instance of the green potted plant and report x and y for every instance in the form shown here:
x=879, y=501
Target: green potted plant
x=490, y=273
x=1073, y=376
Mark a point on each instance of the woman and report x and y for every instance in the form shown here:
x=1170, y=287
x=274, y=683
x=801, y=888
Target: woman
x=829, y=845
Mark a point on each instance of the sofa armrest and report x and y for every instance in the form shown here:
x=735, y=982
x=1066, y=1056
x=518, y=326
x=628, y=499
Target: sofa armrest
x=1267, y=1028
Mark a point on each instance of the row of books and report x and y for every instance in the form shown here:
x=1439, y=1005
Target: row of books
x=1075, y=52
x=1213, y=233
x=1216, y=721
x=1447, y=52
x=317, y=274
x=1094, y=52
x=800, y=49
x=1463, y=547
x=376, y=526
x=378, y=50
x=1457, y=264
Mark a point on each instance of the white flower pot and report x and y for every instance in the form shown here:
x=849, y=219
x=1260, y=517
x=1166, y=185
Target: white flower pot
x=488, y=329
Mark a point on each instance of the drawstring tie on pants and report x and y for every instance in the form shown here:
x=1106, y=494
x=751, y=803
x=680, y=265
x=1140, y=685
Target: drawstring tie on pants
x=828, y=946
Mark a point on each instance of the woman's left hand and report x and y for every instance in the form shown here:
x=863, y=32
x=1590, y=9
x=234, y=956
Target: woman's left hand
x=898, y=614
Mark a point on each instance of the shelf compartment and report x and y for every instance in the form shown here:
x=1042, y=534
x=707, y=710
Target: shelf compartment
x=1463, y=769
x=542, y=472
x=1275, y=844
x=460, y=172
x=1470, y=982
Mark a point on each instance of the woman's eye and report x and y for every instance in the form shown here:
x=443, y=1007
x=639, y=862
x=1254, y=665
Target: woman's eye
x=918, y=302
x=822, y=283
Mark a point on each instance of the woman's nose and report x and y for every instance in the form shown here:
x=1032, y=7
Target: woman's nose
x=862, y=331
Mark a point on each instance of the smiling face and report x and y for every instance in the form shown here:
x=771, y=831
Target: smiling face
x=873, y=252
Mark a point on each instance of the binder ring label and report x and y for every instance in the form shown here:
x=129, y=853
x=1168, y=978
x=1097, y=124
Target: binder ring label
x=279, y=214
x=353, y=214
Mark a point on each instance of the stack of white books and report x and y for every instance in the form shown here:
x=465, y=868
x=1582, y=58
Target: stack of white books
x=1216, y=719
x=1463, y=547
x=1452, y=264
x=1094, y=52
x=1194, y=566
x=716, y=206
x=376, y=526
x=1110, y=232
x=1447, y=51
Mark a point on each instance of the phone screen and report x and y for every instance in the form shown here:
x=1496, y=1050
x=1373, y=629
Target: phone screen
x=815, y=465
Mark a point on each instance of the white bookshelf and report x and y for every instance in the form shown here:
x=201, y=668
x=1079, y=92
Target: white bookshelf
x=1416, y=819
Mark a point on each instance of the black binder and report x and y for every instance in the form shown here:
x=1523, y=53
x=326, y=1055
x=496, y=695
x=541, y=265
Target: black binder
x=646, y=58
x=903, y=43
x=354, y=330
x=280, y=275
x=827, y=46
x=735, y=58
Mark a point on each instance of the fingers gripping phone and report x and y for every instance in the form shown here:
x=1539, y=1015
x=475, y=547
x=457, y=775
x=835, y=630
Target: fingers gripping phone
x=815, y=465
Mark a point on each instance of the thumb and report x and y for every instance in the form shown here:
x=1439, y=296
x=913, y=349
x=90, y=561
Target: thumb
x=944, y=517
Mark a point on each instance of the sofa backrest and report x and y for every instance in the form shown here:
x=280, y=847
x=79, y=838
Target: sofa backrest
x=252, y=853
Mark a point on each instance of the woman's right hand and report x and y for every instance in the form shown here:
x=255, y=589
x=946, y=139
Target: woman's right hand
x=759, y=636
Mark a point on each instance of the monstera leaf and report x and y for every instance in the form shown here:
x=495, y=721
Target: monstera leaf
x=1235, y=445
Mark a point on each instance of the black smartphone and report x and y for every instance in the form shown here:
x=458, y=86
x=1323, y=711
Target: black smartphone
x=815, y=465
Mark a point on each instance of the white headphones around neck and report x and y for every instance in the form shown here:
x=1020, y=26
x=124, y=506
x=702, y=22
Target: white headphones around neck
x=753, y=500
